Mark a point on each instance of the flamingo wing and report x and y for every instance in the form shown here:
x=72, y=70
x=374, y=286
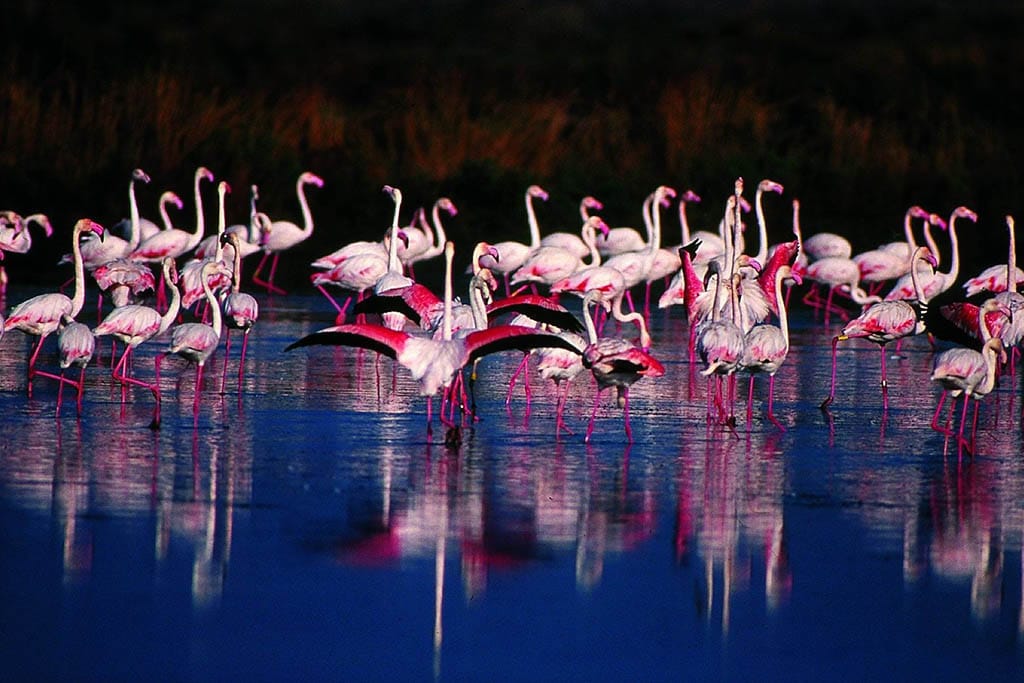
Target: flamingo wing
x=480, y=343
x=373, y=337
x=540, y=308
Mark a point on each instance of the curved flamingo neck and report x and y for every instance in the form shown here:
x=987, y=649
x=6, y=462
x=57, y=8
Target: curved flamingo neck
x=167, y=319
x=780, y=275
x=684, y=223
x=133, y=234
x=762, y=228
x=217, y=322
x=991, y=355
x=165, y=199
x=393, y=262
x=908, y=231
x=440, y=237
x=588, y=317
x=589, y=235
x=307, y=214
x=954, y=247
x=236, y=273
x=634, y=316
x=531, y=217
x=918, y=255
x=78, y=299
x=476, y=301
x=197, y=234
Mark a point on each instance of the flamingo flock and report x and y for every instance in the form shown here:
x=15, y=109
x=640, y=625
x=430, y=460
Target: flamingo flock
x=735, y=298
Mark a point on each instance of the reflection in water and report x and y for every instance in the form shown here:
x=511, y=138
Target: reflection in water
x=512, y=498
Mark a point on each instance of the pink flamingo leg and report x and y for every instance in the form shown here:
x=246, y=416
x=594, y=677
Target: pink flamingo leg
x=625, y=414
x=241, y=362
x=938, y=409
x=340, y=317
x=227, y=354
x=515, y=375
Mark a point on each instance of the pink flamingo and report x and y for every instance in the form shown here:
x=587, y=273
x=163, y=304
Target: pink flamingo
x=621, y=240
x=969, y=372
x=614, y=363
x=435, y=230
x=148, y=228
x=16, y=238
x=286, y=234
x=635, y=265
x=241, y=310
x=134, y=324
x=76, y=344
x=561, y=366
x=249, y=235
x=434, y=363
x=575, y=243
x=43, y=314
x=511, y=254
x=176, y=242
x=719, y=343
x=191, y=280
x=196, y=342
x=884, y=322
x=836, y=273
x=995, y=278
x=711, y=243
x=765, y=346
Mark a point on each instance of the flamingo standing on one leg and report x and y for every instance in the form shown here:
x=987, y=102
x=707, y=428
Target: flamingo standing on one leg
x=43, y=314
x=614, y=363
x=286, y=234
x=240, y=309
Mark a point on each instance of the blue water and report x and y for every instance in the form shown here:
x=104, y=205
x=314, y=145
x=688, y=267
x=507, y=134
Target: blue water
x=306, y=528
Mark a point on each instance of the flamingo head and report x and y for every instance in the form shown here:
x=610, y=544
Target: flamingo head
x=486, y=278
x=964, y=212
x=598, y=223
x=690, y=196
x=746, y=261
x=537, y=191
x=936, y=219
x=224, y=187
x=140, y=175
x=254, y=192
x=170, y=270
x=172, y=198
x=203, y=173
x=593, y=203
x=308, y=178
x=770, y=186
x=744, y=205
x=89, y=225
x=690, y=249
x=917, y=212
x=664, y=194
x=481, y=253
x=448, y=205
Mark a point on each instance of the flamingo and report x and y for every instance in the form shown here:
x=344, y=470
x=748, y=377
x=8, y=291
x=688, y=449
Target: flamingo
x=766, y=346
x=614, y=363
x=76, y=345
x=285, y=234
x=41, y=315
x=549, y=264
x=765, y=185
x=572, y=242
x=393, y=278
x=719, y=340
x=134, y=324
x=886, y=321
x=433, y=362
x=836, y=273
x=511, y=254
x=196, y=342
x=905, y=249
x=123, y=280
x=176, y=242
x=240, y=309
x=561, y=366
x=968, y=372
x=16, y=238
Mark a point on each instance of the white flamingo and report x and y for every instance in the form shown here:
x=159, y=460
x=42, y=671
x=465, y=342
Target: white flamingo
x=284, y=234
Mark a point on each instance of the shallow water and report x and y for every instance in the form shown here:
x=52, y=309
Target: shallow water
x=306, y=527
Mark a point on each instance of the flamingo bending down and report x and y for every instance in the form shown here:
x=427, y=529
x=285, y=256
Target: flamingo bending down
x=434, y=362
x=765, y=346
x=241, y=310
x=283, y=235
x=196, y=342
x=134, y=324
x=884, y=322
x=969, y=372
x=614, y=363
x=43, y=314
x=76, y=344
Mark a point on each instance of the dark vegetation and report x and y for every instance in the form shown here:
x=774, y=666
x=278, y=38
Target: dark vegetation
x=859, y=108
